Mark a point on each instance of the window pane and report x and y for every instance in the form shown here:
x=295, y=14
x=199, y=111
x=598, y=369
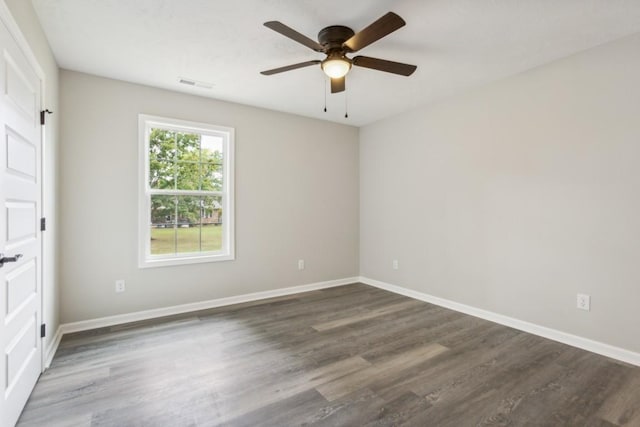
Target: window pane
x=188, y=238
x=212, y=223
x=162, y=144
x=163, y=240
x=161, y=174
x=188, y=231
x=188, y=145
x=211, y=177
x=211, y=149
x=187, y=175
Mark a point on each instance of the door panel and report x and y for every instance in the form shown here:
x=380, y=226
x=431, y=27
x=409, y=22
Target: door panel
x=20, y=351
x=21, y=285
x=21, y=156
x=18, y=89
x=21, y=221
x=20, y=211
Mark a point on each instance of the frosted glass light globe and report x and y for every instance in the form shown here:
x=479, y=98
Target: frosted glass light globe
x=336, y=67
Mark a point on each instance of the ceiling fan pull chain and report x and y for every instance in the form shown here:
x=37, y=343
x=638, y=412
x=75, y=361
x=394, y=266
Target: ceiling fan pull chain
x=325, y=94
x=346, y=113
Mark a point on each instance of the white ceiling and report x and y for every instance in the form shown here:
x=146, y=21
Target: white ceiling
x=456, y=44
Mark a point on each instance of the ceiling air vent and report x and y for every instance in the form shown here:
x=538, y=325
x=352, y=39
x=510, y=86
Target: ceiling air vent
x=195, y=83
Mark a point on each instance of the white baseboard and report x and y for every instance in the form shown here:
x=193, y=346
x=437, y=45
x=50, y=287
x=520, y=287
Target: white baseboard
x=202, y=305
x=52, y=347
x=552, y=334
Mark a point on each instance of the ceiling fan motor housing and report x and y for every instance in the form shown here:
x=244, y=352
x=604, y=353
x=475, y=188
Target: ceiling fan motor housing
x=334, y=36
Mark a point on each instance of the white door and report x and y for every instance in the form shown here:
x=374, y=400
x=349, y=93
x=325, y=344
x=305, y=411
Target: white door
x=20, y=207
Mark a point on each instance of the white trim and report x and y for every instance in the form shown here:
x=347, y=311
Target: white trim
x=603, y=349
x=102, y=322
x=52, y=348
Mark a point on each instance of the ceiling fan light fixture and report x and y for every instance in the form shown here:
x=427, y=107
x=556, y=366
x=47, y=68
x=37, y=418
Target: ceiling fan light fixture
x=336, y=41
x=336, y=66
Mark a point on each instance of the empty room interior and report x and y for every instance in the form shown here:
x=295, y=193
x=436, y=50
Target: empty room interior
x=294, y=212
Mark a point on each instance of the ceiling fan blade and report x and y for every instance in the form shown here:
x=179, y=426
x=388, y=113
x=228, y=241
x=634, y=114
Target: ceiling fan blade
x=290, y=67
x=279, y=27
x=384, y=65
x=380, y=28
x=337, y=84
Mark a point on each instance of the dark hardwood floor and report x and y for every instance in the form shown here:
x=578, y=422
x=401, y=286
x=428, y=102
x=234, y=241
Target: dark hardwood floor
x=347, y=356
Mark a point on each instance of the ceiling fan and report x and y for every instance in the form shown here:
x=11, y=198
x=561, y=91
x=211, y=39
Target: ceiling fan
x=336, y=41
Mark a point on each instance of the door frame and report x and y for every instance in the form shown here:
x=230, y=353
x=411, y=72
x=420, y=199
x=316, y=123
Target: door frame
x=14, y=29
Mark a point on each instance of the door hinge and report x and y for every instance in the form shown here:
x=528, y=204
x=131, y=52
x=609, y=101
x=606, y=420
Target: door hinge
x=43, y=330
x=43, y=114
x=43, y=224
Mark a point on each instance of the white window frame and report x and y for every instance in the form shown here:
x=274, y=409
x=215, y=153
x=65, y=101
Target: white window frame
x=145, y=259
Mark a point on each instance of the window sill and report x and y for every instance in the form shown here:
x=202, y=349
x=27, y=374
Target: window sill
x=186, y=260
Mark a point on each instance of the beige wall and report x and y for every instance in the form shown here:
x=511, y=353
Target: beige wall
x=27, y=20
x=296, y=197
x=511, y=198
x=516, y=196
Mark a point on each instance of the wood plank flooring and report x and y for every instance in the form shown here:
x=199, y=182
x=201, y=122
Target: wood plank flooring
x=347, y=356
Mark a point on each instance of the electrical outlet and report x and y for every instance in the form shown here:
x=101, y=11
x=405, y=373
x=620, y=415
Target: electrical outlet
x=395, y=264
x=300, y=264
x=120, y=286
x=584, y=302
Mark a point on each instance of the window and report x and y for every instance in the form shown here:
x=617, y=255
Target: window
x=186, y=192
